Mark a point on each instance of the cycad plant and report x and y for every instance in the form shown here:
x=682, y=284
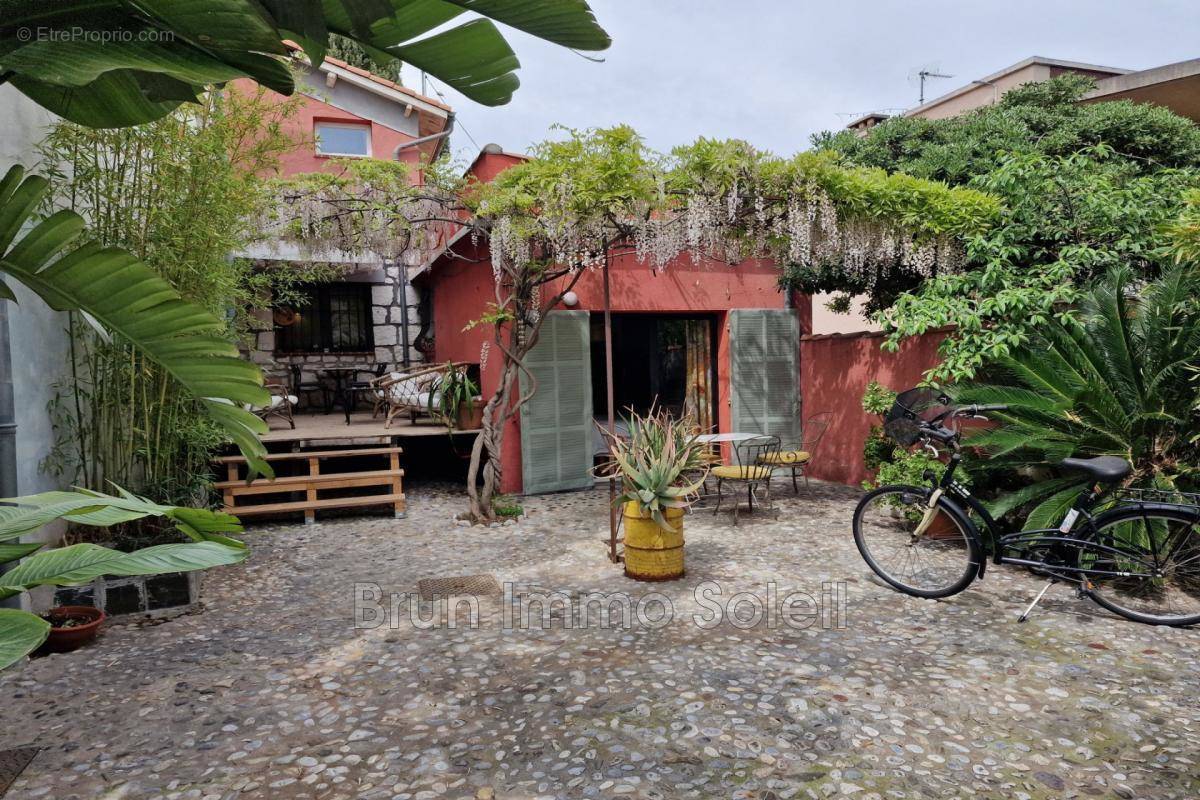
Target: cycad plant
x=657, y=462
x=1115, y=380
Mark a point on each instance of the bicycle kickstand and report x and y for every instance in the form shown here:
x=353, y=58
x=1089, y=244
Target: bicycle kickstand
x=1025, y=614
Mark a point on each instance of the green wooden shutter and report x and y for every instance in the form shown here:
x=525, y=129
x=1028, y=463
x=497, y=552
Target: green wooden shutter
x=556, y=424
x=765, y=351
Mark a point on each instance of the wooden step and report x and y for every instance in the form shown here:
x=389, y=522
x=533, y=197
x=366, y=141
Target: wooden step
x=293, y=483
x=365, y=451
x=316, y=505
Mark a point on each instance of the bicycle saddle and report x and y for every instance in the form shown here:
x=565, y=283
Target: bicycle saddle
x=1106, y=469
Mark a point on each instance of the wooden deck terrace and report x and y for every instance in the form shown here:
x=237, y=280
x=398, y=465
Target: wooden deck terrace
x=331, y=430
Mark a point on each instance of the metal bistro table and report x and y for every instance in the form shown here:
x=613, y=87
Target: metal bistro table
x=717, y=438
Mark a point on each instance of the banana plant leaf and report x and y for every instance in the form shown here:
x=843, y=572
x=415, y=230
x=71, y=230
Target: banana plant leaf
x=140, y=61
x=123, y=296
x=20, y=634
x=26, y=514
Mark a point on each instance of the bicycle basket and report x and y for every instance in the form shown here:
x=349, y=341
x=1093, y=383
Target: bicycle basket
x=901, y=424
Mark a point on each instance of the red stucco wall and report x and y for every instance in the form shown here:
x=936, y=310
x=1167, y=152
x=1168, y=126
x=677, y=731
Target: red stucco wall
x=301, y=127
x=462, y=288
x=834, y=372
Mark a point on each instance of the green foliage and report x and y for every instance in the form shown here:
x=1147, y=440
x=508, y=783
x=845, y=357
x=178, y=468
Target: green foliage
x=181, y=194
x=1117, y=381
x=451, y=391
x=144, y=60
x=904, y=467
x=654, y=463
x=125, y=299
x=878, y=399
x=210, y=545
x=1084, y=187
x=354, y=54
x=877, y=448
x=505, y=505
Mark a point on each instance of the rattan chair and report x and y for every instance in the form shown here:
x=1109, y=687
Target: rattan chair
x=409, y=393
x=796, y=458
x=754, y=469
x=282, y=402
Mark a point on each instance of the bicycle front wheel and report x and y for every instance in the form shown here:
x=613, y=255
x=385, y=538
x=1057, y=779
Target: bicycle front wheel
x=1146, y=564
x=939, y=561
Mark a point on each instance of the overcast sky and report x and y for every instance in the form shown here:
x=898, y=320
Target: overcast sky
x=775, y=71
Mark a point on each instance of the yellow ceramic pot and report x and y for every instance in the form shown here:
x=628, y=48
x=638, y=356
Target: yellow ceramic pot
x=651, y=553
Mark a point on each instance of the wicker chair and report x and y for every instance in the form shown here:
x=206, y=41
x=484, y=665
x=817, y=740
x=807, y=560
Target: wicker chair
x=408, y=392
x=797, y=457
x=754, y=470
x=282, y=402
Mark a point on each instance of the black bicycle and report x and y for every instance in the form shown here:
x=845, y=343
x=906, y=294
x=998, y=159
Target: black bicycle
x=1138, y=555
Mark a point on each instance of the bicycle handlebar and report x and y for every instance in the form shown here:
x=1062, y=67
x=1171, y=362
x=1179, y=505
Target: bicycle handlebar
x=934, y=428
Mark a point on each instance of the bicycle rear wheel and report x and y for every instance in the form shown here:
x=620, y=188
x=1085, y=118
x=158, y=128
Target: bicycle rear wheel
x=940, y=562
x=1147, y=568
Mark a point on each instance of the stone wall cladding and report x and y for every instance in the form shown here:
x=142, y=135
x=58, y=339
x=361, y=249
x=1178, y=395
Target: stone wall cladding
x=387, y=317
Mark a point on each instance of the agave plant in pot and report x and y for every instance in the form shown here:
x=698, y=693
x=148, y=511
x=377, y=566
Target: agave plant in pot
x=661, y=467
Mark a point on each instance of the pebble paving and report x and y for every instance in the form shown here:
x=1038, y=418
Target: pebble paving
x=270, y=691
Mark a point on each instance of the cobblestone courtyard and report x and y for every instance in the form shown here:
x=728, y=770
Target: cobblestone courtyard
x=270, y=692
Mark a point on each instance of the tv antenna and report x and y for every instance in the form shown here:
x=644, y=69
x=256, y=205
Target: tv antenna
x=922, y=74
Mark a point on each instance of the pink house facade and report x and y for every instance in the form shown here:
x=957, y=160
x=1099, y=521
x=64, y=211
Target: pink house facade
x=372, y=314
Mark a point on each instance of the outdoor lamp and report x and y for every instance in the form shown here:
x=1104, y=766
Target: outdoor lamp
x=570, y=299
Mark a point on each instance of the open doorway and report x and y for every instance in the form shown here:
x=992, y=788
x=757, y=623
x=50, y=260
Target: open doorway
x=659, y=360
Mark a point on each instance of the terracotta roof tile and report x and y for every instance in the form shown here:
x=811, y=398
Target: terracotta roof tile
x=371, y=76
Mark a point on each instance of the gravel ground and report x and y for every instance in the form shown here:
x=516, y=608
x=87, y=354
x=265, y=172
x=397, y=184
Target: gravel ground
x=270, y=691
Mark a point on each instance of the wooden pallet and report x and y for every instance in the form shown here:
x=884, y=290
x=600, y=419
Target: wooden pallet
x=236, y=488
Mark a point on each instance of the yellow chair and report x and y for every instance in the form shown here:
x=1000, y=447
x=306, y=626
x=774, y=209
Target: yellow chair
x=754, y=469
x=798, y=457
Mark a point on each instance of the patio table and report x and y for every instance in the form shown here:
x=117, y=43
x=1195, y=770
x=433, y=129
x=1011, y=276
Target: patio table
x=715, y=438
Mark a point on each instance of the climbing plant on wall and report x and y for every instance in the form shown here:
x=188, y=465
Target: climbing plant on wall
x=585, y=196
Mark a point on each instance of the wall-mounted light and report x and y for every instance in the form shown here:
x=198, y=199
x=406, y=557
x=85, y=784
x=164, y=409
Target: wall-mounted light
x=570, y=299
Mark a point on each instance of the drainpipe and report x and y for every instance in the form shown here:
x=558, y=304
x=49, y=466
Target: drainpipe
x=404, y=344
x=439, y=137
x=8, y=427
x=433, y=137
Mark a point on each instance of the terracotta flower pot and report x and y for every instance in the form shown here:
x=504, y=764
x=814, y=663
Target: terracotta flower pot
x=470, y=417
x=67, y=637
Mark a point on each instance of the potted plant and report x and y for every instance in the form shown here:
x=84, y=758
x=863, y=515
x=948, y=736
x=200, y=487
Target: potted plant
x=71, y=627
x=656, y=464
x=21, y=632
x=455, y=398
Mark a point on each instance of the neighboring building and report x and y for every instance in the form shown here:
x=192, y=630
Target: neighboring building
x=370, y=315
x=1173, y=86
x=988, y=90
x=718, y=342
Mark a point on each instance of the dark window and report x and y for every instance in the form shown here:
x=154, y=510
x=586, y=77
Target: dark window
x=335, y=319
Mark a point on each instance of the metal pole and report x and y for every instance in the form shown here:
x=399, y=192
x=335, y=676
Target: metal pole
x=612, y=418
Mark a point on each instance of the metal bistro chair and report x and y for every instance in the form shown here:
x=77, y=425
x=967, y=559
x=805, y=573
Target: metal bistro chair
x=754, y=468
x=799, y=457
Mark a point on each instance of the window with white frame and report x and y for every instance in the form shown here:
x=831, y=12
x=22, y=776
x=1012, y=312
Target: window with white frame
x=343, y=139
